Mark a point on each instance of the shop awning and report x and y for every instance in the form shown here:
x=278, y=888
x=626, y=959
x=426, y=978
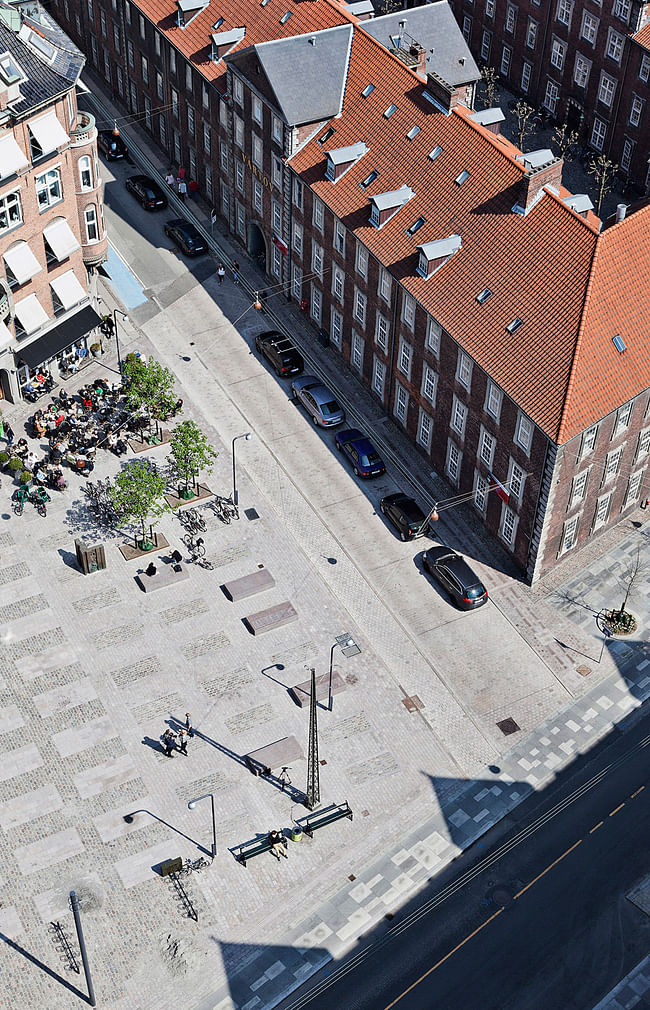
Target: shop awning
x=48, y=132
x=31, y=314
x=60, y=238
x=21, y=261
x=68, y=289
x=6, y=336
x=12, y=159
x=66, y=333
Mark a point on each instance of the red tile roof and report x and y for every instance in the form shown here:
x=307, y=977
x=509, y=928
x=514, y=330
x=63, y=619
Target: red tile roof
x=538, y=266
x=643, y=35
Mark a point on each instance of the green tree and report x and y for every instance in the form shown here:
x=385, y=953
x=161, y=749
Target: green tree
x=603, y=171
x=137, y=494
x=490, y=78
x=149, y=387
x=190, y=453
x=523, y=111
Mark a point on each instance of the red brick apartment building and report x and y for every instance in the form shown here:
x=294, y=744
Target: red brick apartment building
x=51, y=206
x=587, y=63
x=486, y=307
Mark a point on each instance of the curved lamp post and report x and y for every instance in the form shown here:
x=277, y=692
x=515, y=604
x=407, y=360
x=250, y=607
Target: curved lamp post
x=235, y=493
x=192, y=804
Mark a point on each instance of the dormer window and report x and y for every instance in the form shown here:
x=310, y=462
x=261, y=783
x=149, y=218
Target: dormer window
x=223, y=42
x=341, y=159
x=434, y=255
x=385, y=205
x=188, y=10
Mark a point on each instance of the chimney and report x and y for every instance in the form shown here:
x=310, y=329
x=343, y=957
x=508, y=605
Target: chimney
x=621, y=210
x=312, y=40
x=444, y=94
x=542, y=168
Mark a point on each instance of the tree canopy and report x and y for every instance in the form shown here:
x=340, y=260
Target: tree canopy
x=190, y=453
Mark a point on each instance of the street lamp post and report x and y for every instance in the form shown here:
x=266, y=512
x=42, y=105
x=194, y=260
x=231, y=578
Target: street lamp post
x=191, y=805
x=125, y=318
x=235, y=493
x=344, y=643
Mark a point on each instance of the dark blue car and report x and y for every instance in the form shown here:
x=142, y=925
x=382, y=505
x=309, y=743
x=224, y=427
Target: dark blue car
x=361, y=452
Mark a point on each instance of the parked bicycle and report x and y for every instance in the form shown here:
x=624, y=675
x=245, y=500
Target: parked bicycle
x=192, y=520
x=195, y=547
x=40, y=498
x=224, y=509
x=19, y=497
x=193, y=866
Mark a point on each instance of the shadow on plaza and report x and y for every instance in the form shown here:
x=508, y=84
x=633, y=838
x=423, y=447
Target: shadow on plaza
x=44, y=968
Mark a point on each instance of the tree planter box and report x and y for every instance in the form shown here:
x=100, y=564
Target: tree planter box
x=176, y=501
x=129, y=552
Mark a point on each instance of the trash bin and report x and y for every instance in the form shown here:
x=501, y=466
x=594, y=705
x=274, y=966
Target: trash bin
x=91, y=559
x=296, y=833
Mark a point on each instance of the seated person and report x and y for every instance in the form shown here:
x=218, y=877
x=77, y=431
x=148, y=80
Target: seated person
x=40, y=427
x=120, y=447
x=151, y=569
x=55, y=454
x=278, y=844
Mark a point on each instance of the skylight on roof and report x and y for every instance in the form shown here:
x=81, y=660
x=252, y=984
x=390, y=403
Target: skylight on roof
x=370, y=178
x=483, y=296
x=389, y=111
x=416, y=225
x=218, y=23
x=326, y=136
x=264, y=3
x=368, y=90
x=436, y=151
x=514, y=325
x=460, y=179
x=413, y=132
x=285, y=17
x=618, y=343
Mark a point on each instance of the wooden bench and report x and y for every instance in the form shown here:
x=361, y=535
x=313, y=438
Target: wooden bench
x=249, y=585
x=326, y=816
x=301, y=693
x=251, y=849
x=273, y=617
x=274, y=755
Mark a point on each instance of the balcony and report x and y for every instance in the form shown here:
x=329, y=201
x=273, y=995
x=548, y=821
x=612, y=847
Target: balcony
x=84, y=132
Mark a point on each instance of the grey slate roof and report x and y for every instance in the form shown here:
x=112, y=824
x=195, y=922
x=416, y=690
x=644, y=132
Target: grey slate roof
x=44, y=81
x=435, y=28
x=487, y=117
x=308, y=73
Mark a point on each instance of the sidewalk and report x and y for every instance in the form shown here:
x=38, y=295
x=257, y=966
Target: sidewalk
x=632, y=991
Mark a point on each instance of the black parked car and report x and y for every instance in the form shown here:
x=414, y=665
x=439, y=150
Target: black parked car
x=455, y=575
x=405, y=514
x=111, y=145
x=147, y=192
x=280, y=352
x=186, y=236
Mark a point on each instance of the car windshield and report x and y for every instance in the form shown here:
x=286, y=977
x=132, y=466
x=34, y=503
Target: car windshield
x=331, y=407
x=475, y=591
x=370, y=458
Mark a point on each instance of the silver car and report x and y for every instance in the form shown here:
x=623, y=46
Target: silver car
x=318, y=401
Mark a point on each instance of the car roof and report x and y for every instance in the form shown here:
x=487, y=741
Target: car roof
x=457, y=566
x=322, y=394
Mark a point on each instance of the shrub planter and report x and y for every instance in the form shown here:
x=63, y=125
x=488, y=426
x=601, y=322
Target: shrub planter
x=25, y=477
x=621, y=622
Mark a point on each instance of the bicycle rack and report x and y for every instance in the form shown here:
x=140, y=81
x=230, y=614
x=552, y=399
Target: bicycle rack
x=63, y=946
x=183, y=897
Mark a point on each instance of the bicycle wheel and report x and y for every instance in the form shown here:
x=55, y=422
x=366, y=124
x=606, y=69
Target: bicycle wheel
x=200, y=522
x=188, y=540
x=42, y=510
x=18, y=508
x=200, y=550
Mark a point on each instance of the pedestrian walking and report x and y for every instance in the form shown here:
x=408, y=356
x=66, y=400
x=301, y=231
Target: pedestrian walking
x=194, y=189
x=182, y=742
x=169, y=178
x=182, y=188
x=235, y=271
x=221, y=271
x=9, y=434
x=188, y=725
x=169, y=740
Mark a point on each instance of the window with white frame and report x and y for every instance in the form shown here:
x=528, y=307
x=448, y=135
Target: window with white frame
x=401, y=406
x=276, y=261
x=425, y=429
x=467, y=29
x=298, y=194
x=487, y=446
x=317, y=259
x=162, y=130
x=207, y=140
x=159, y=84
x=551, y=96
x=191, y=121
x=493, y=400
x=102, y=23
x=644, y=68
x=48, y=188
x=432, y=340
x=174, y=98
x=636, y=109
x=258, y=196
x=622, y=10
x=223, y=156
x=90, y=216
x=623, y=416
x=633, y=488
x=357, y=349
x=339, y=237
x=588, y=441
x=238, y=90
x=239, y=131
x=336, y=329
x=464, y=370
x=208, y=182
x=338, y=282
x=362, y=261
x=189, y=79
x=117, y=41
x=516, y=478
x=239, y=176
x=531, y=33
x=481, y=491
x=601, y=515
x=453, y=461
x=142, y=26
x=86, y=172
x=598, y=134
x=569, y=534
x=405, y=357
x=297, y=238
x=258, y=151
x=144, y=69
x=408, y=310
x=107, y=75
x=581, y=71
x=526, y=74
x=277, y=130
x=276, y=217
x=564, y=11
x=524, y=433
x=205, y=94
x=360, y=303
x=458, y=416
x=429, y=386
x=486, y=45
x=11, y=213
x=490, y=6
x=240, y=214
x=614, y=49
x=381, y=331
x=316, y=304
x=177, y=145
x=589, y=28
x=558, y=52
x=223, y=113
x=506, y=57
x=612, y=464
x=172, y=60
x=256, y=109
x=385, y=285
x=579, y=488
x=643, y=447
x=606, y=89
x=509, y=521
x=378, y=377
x=318, y=216
x=276, y=171
x=147, y=112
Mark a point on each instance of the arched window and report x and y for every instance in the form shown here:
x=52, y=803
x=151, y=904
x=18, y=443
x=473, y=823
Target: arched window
x=85, y=172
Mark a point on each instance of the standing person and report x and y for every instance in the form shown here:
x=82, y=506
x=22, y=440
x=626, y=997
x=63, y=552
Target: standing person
x=169, y=178
x=221, y=271
x=9, y=434
x=189, y=729
x=182, y=188
x=235, y=271
x=182, y=742
x=194, y=189
x=169, y=739
x=181, y=173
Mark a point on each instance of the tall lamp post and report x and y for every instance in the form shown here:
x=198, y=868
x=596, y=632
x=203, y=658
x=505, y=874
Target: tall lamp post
x=312, y=796
x=191, y=805
x=235, y=493
x=125, y=318
x=349, y=648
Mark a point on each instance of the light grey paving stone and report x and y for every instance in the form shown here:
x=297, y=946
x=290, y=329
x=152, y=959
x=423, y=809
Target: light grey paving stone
x=71, y=741
x=105, y=776
x=112, y=825
x=53, y=905
x=12, y=573
x=64, y=697
x=244, y=721
x=97, y=601
x=10, y=923
x=182, y=612
x=19, y=761
x=48, y=851
x=137, y=868
x=28, y=806
x=380, y=764
x=10, y=718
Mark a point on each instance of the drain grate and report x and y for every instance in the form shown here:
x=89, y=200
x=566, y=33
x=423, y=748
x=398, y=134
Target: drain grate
x=508, y=726
x=412, y=703
x=251, y=514
x=583, y=670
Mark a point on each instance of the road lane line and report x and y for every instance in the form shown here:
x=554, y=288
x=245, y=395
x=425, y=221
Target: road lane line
x=616, y=809
x=445, y=958
x=595, y=827
x=550, y=867
x=639, y=790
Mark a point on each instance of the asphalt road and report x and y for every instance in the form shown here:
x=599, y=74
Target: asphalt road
x=535, y=919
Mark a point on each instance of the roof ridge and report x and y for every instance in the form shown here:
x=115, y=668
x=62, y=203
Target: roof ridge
x=303, y=35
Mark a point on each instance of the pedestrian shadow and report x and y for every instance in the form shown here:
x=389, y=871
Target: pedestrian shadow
x=44, y=968
x=156, y=745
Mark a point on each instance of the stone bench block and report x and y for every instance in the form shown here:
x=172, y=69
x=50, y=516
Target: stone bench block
x=273, y=617
x=301, y=693
x=249, y=585
x=166, y=575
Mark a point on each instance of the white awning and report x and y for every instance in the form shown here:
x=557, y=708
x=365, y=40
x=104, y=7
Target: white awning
x=68, y=289
x=31, y=314
x=60, y=238
x=6, y=336
x=21, y=261
x=12, y=159
x=48, y=132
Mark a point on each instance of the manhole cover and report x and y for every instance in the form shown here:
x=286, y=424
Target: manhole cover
x=583, y=670
x=251, y=514
x=501, y=895
x=412, y=704
x=508, y=726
